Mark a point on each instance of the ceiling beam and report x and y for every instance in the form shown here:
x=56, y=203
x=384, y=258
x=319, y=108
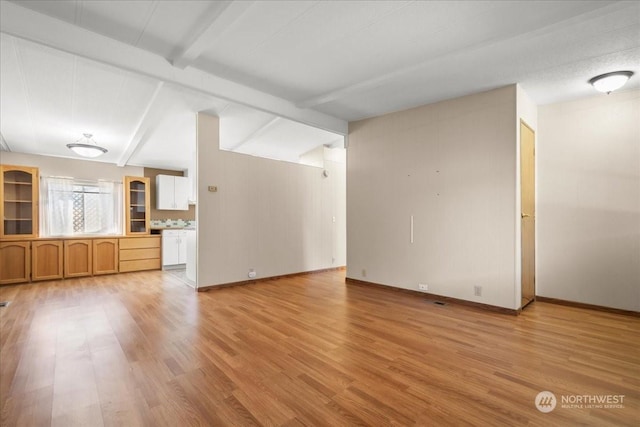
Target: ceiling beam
x=399, y=73
x=223, y=15
x=255, y=133
x=26, y=24
x=144, y=123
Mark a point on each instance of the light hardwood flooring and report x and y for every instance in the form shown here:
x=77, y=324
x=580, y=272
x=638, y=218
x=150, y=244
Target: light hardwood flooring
x=145, y=349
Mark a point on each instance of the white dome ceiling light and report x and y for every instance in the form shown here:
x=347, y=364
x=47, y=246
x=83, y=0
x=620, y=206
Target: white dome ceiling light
x=86, y=148
x=609, y=82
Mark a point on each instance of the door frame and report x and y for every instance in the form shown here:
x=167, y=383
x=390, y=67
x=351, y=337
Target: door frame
x=520, y=218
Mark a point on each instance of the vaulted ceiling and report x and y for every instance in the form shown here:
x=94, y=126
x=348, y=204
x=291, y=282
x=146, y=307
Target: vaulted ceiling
x=133, y=73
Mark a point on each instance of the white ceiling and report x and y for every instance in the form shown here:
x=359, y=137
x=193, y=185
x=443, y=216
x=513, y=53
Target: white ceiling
x=134, y=72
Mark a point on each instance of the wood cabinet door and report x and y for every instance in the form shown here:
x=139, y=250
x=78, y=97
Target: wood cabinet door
x=15, y=262
x=77, y=258
x=46, y=260
x=182, y=191
x=136, y=201
x=105, y=256
x=19, y=201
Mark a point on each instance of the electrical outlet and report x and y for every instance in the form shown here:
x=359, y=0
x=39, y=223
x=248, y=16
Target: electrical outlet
x=477, y=291
x=364, y=272
x=252, y=274
x=423, y=287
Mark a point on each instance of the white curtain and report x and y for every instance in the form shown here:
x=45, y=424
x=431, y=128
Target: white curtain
x=97, y=210
x=110, y=202
x=56, y=210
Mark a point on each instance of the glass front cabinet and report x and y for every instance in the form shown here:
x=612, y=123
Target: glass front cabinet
x=19, y=201
x=136, y=190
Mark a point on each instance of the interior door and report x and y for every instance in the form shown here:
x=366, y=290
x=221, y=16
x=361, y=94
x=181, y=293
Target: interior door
x=528, y=212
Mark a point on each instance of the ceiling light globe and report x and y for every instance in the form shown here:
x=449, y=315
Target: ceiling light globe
x=609, y=82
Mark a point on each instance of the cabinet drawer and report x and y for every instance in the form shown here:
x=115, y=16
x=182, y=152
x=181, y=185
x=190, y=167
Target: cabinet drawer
x=140, y=264
x=133, y=254
x=140, y=242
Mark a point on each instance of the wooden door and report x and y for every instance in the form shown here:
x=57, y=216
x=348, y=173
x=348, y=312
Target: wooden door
x=77, y=258
x=528, y=212
x=105, y=256
x=15, y=262
x=46, y=260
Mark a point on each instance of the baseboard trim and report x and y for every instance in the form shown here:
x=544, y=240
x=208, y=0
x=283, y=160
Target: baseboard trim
x=265, y=279
x=450, y=300
x=588, y=306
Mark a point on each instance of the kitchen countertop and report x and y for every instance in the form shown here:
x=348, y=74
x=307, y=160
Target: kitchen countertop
x=171, y=228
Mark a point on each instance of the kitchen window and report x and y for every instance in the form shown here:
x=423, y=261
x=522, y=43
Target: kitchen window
x=72, y=207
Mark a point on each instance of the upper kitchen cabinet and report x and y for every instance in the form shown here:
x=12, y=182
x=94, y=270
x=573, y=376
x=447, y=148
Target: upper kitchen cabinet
x=19, y=197
x=172, y=193
x=136, y=205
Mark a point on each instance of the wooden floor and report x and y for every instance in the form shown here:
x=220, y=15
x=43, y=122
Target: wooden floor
x=144, y=349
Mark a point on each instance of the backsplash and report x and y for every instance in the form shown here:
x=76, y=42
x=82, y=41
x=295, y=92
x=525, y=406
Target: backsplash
x=161, y=223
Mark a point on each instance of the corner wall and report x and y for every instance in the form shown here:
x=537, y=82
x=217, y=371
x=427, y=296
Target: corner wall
x=452, y=166
x=588, y=214
x=271, y=216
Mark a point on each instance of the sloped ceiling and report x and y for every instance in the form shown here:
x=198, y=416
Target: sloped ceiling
x=133, y=73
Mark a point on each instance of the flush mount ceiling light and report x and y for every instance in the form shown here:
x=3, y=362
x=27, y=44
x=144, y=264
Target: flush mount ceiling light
x=609, y=82
x=87, y=148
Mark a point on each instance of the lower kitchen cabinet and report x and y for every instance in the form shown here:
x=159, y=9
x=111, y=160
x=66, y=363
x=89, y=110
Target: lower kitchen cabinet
x=47, y=260
x=44, y=259
x=174, y=247
x=15, y=262
x=105, y=256
x=139, y=253
x=77, y=258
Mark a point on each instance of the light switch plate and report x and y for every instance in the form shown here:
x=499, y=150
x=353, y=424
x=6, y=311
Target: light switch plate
x=212, y=188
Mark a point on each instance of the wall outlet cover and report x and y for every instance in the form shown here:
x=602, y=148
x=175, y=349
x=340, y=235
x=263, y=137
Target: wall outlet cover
x=423, y=287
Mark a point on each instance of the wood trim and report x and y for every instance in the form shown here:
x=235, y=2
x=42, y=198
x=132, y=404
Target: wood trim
x=356, y=282
x=587, y=306
x=265, y=279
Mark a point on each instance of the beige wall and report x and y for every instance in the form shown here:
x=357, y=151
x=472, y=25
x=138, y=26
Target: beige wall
x=271, y=216
x=452, y=165
x=156, y=214
x=80, y=169
x=589, y=200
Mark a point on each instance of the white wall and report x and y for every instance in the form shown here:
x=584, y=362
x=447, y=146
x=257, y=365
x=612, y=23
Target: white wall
x=588, y=214
x=81, y=169
x=271, y=216
x=452, y=165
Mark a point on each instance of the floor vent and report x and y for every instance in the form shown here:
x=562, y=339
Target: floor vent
x=439, y=303
x=4, y=303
